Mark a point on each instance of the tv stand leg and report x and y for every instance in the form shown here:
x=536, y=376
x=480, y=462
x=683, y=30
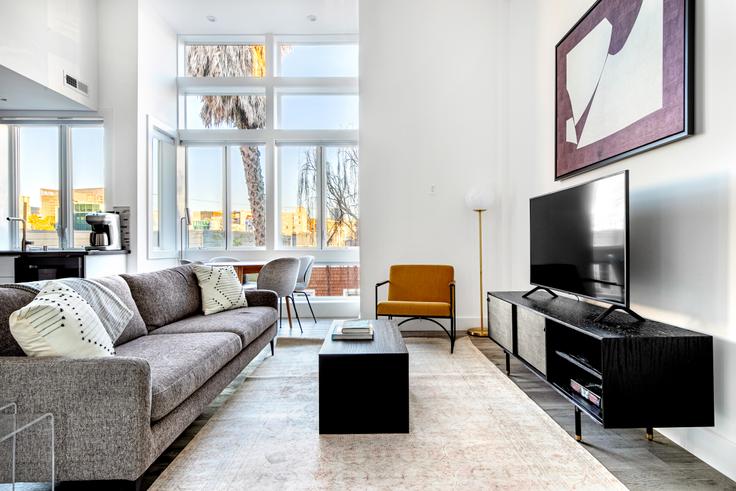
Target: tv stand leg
x=578, y=431
x=650, y=433
x=538, y=289
x=614, y=308
x=508, y=363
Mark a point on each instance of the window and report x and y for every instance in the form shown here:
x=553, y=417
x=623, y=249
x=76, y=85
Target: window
x=225, y=60
x=341, y=196
x=162, y=217
x=298, y=193
x=88, y=178
x=318, y=60
x=235, y=111
x=247, y=191
x=272, y=155
x=59, y=173
x=39, y=183
x=318, y=196
x=205, y=176
x=318, y=112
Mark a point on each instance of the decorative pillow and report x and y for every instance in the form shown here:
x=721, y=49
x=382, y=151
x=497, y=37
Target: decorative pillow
x=221, y=288
x=59, y=322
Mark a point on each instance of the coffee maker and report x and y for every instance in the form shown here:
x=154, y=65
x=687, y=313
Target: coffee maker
x=105, y=235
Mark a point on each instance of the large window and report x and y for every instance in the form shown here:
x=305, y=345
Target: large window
x=318, y=196
x=58, y=176
x=226, y=196
x=270, y=125
x=205, y=197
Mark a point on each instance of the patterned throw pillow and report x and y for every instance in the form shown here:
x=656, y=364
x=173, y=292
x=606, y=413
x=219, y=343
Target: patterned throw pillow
x=221, y=288
x=59, y=322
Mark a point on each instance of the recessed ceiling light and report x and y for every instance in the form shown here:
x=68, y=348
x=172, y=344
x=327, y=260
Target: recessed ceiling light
x=211, y=18
x=312, y=18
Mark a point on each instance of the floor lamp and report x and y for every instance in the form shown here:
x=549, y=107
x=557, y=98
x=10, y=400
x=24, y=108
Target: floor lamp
x=479, y=201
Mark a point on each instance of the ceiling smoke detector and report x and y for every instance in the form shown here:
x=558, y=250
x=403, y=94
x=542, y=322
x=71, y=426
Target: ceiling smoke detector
x=211, y=18
x=312, y=18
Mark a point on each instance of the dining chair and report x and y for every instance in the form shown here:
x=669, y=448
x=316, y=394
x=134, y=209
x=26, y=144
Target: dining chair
x=306, y=263
x=280, y=276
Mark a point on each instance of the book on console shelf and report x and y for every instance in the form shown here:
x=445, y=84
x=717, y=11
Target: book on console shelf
x=354, y=330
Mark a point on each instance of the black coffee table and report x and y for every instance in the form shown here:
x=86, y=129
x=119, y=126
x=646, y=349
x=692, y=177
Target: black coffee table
x=364, y=385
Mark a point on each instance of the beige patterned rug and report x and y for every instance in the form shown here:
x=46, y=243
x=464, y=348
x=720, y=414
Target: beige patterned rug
x=471, y=428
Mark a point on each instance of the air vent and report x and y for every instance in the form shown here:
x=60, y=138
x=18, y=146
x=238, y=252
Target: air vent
x=77, y=85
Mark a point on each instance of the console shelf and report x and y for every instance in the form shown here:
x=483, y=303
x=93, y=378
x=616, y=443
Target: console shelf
x=646, y=373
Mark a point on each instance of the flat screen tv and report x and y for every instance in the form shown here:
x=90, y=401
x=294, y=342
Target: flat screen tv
x=580, y=240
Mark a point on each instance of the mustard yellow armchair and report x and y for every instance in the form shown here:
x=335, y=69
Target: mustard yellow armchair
x=420, y=291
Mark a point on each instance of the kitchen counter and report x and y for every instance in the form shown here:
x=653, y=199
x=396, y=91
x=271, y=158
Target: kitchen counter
x=62, y=252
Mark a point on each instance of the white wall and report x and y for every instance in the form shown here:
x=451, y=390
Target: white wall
x=42, y=39
x=118, y=101
x=428, y=97
x=157, y=49
x=683, y=196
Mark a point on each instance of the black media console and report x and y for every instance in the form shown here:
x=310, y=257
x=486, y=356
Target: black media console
x=621, y=372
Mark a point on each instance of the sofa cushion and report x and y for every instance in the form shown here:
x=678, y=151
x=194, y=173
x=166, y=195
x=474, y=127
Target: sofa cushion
x=60, y=322
x=248, y=323
x=165, y=296
x=11, y=299
x=221, y=288
x=180, y=364
x=136, y=327
x=428, y=309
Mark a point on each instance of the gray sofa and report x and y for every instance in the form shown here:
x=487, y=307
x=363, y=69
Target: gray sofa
x=114, y=416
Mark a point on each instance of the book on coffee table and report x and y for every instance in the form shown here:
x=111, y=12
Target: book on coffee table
x=349, y=330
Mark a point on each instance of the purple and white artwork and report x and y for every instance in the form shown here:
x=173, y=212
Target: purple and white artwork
x=622, y=82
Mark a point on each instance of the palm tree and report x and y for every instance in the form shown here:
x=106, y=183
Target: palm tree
x=241, y=111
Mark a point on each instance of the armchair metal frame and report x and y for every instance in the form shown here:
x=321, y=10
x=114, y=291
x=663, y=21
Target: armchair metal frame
x=452, y=333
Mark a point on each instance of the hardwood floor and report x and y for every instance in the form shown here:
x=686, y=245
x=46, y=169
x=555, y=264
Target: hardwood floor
x=638, y=463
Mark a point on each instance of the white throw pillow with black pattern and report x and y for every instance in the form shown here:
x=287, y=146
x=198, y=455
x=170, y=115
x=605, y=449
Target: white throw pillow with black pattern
x=59, y=322
x=221, y=288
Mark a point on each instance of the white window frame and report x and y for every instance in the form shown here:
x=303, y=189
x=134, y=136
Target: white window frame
x=271, y=136
x=65, y=223
x=167, y=235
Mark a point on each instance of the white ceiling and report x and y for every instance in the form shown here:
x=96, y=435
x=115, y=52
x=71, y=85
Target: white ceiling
x=259, y=16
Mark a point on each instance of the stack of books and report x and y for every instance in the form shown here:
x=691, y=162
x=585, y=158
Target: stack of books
x=353, y=331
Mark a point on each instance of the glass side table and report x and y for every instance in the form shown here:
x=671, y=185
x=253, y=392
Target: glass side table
x=31, y=428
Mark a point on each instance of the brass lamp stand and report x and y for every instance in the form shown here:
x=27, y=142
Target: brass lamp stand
x=480, y=331
x=479, y=201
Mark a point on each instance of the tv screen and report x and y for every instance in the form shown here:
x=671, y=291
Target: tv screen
x=579, y=240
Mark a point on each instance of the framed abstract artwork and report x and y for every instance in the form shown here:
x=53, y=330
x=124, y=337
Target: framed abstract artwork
x=624, y=82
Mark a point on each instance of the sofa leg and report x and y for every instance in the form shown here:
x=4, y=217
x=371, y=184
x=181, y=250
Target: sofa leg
x=272, y=346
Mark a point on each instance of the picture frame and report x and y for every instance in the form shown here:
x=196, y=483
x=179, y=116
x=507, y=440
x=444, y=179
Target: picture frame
x=618, y=90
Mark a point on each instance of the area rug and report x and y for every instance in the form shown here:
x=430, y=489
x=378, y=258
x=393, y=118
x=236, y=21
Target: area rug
x=471, y=428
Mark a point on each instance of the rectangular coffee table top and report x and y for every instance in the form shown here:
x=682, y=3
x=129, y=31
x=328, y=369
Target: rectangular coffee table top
x=386, y=340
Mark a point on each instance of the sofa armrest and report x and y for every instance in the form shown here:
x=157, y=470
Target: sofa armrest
x=262, y=298
x=101, y=408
